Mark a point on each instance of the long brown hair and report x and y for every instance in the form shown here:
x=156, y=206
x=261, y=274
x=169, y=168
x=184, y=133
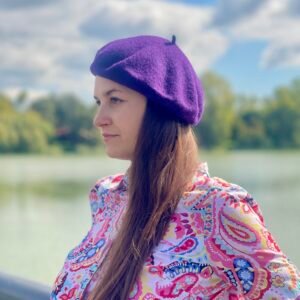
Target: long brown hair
x=165, y=159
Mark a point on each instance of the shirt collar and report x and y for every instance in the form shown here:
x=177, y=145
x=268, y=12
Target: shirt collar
x=202, y=170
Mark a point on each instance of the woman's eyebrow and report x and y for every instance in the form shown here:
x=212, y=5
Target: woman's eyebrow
x=108, y=93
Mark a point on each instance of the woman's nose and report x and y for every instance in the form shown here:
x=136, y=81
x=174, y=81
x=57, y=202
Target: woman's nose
x=101, y=118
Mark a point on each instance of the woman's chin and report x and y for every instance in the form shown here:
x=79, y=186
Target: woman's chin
x=117, y=154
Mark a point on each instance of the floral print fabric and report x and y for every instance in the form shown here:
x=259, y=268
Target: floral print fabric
x=216, y=247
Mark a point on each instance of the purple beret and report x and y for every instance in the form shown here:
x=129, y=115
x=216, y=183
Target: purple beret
x=156, y=68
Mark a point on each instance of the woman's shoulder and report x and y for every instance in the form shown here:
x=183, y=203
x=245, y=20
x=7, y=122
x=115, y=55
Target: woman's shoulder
x=105, y=191
x=108, y=183
x=219, y=192
x=204, y=183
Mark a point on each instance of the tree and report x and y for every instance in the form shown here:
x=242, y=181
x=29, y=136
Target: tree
x=21, y=101
x=22, y=131
x=71, y=118
x=249, y=129
x=282, y=116
x=8, y=136
x=215, y=128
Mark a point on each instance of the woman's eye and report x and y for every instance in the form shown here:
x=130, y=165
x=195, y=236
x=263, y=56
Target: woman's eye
x=112, y=99
x=115, y=100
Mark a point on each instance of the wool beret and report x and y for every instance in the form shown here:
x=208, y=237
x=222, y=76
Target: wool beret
x=156, y=68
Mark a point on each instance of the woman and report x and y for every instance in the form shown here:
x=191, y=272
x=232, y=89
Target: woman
x=165, y=229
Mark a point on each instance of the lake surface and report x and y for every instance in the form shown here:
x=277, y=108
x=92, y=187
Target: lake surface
x=45, y=212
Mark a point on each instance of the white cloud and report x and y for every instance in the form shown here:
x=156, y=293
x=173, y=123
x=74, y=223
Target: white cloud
x=117, y=19
x=52, y=46
x=275, y=24
x=228, y=12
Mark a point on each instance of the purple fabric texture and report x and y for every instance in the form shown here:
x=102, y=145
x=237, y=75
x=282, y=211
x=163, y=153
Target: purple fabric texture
x=156, y=68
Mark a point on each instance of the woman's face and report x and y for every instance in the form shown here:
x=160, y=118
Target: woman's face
x=120, y=113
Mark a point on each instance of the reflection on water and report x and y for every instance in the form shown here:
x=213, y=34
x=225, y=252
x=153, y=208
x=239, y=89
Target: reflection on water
x=44, y=208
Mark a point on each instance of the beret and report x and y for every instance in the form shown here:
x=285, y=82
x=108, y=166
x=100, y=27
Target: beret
x=156, y=68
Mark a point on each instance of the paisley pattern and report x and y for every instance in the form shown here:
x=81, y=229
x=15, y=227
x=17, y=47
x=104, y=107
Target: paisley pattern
x=216, y=247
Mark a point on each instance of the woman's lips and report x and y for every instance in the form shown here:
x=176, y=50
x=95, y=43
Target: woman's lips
x=107, y=137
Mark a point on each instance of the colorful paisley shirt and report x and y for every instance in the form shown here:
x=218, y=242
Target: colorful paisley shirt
x=216, y=247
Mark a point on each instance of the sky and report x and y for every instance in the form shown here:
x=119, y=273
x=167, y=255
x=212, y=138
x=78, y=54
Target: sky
x=48, y=45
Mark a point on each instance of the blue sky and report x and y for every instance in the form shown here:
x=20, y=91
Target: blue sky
x=47, y=46
x=240, y=66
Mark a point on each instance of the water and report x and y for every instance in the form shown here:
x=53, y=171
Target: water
x=44, y=206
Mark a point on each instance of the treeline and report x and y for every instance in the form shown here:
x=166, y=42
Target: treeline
x=242, y=122
x=62, y=123
x=51, y=124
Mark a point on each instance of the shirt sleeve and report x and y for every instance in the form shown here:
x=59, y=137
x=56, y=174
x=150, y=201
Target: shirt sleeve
x=70, y=281
x=244, y=253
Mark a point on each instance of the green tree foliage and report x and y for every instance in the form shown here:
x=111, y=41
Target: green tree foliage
x=22, y=132
x=282, y=116
x=229, y=121
x=249, y=129
x=8, y=136
x=21, y=101
x=216, y=125
x=71, y=118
